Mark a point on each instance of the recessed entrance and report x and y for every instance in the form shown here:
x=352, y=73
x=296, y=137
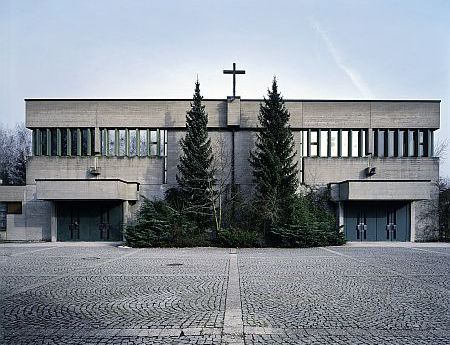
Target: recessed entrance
x=377, y=221
x=89, y=221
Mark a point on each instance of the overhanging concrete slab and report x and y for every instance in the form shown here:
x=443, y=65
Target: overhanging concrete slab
x=83, y=189
x=381, y=190
x=11, y=193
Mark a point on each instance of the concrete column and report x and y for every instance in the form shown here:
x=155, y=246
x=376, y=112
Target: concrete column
x=341, y=216
x=126, y=217
x=54, y=223
x=49, y=142
x=79, y=142
x=350, y=143
x=89, y=141
x=369, y=141
x=361, y=143
x=329, y=143
x=413, y=221
x=431, y=143
x=339, y=143
x=308, y=147
x=58, y=142
x=319, y=142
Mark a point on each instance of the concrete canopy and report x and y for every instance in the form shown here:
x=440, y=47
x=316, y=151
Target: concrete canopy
x=78, y=189
x=381, y=190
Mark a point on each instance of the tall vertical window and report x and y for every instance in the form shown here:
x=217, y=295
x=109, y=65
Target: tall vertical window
x=143, y=143
x=344, y=143
x=43, y=142
x=122, y=142
x=63, y=132
x=334, y=143
x=54, y=142
x=304, y=143
x=111, y=142
x=314, y=144
x=400, y=143
x=363, y=141
x=73, y=141
x=355, y=143
x=86, y=142
x=153, y=143
x=324, y=143
x=411, y=144
x=163, y=143
x=133, y=142
x=380, y=141
x=390, y=143
x=422, y=144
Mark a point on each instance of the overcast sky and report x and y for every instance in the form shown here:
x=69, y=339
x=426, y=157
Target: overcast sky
x=353, y=49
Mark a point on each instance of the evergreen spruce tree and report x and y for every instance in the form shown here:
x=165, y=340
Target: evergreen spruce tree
x=196, y=175
x=274, y=168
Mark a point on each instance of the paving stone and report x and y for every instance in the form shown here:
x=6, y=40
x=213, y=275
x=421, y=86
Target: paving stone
x=106, y=295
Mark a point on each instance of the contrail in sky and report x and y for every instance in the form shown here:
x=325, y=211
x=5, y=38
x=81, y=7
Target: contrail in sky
x=354, y=76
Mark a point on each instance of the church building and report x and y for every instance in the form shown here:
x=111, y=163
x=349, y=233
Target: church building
x=94, y=160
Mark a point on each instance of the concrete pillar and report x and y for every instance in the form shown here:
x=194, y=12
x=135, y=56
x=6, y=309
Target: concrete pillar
x=126, y=217
x=413, y=221
x=369, y=142
x=341, y=216
x=54, y=223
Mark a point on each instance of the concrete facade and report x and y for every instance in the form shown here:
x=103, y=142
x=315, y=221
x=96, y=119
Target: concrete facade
x=335, y=143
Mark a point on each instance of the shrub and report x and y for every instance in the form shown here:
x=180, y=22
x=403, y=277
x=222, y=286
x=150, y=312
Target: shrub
x=160, y=225
x=242, y=238
x=312, y=225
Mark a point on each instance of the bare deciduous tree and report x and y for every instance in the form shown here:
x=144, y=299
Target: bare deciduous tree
x=15, y=147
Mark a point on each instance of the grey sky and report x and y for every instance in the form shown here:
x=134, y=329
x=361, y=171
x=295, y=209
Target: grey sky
x=154, y=49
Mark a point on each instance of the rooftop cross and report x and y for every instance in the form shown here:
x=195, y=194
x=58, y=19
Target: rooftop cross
x=233, y=72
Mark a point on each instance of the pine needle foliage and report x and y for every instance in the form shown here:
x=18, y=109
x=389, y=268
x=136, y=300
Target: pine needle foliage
x=196, y=175
x=273, y=161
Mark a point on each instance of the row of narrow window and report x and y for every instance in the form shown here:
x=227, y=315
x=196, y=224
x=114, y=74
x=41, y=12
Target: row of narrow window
x=355, y=143
x=314, y=142
x=113, y=142
x=133, y=142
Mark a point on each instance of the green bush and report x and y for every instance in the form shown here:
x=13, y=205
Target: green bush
x=160, y=225
x=312, y=225
x=241, y=238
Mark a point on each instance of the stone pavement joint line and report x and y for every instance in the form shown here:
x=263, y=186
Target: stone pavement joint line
x=395, y=272
x=430, y=251
x=61, y=276
x=33, y=251
x=233, y=327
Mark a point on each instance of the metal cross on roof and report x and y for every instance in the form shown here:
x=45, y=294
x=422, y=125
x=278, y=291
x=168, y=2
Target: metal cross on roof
x=233, y=72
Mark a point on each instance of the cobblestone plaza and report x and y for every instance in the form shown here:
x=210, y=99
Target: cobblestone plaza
x=102, y=294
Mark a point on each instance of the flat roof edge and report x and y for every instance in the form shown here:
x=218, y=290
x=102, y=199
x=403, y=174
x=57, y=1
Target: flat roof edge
x=225, y=99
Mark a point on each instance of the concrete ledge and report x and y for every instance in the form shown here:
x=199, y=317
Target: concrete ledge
x=382, y=190
x=86, y=190
x=11, y=193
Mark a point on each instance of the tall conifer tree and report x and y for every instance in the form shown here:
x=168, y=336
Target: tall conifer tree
x=273, y=161
x=196, y=175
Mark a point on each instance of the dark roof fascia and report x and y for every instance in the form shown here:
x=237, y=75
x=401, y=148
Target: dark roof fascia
x=224, y=100
x=84, y=180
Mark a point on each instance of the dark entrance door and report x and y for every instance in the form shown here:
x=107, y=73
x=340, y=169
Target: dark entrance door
x=391, y=224
x=377, y=221
x=360, y=223
x=74, y=226
x=89, y=221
